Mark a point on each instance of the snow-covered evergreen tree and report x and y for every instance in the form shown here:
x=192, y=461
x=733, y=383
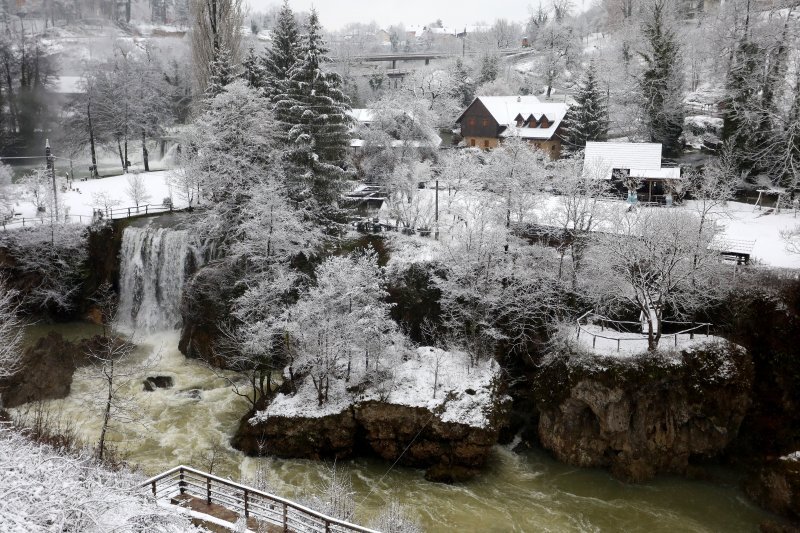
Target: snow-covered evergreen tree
x=661, y=83
x=741, y=101
x=588, y=120
x=463, y=84
x=283, y=54
x=313, y=113
x=233, y=148
x=253, y=70
x=220, y=73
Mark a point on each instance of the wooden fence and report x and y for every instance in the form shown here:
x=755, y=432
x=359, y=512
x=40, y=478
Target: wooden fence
x=246, y=501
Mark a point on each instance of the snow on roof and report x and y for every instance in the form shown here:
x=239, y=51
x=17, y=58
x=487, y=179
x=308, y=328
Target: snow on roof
x=67, y=85
x=656, y=173
x=506, y=109
x=601, y=158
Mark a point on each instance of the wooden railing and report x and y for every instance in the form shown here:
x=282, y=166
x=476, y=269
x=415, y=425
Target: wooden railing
x=246, y=501
x=619, y=326
x=108, y=214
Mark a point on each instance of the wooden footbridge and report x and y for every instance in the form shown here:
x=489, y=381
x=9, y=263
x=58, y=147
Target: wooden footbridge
x=217, y=504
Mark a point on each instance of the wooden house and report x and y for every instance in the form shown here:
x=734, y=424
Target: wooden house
x=491, y=119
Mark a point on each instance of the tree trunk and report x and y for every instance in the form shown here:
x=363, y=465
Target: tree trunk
x=12, y=105
x=92, y=147
x=121, y=157
x=101, y=446
x=145, y=154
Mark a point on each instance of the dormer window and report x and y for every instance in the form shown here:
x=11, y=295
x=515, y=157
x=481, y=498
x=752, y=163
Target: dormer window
x=544, y=122
x=520, y=121
x=532, y=122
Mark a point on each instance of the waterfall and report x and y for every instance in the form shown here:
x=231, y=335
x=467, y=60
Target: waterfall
x=155, y=263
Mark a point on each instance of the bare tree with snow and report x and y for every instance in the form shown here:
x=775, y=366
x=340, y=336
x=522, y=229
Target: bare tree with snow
x=657, y=261
x=340, y=328
x=11, y=330
x=137, y=189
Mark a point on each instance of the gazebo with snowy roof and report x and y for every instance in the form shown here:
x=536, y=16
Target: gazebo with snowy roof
x=640, y=162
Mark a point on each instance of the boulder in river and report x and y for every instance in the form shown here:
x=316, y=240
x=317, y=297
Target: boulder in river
x=158, y=382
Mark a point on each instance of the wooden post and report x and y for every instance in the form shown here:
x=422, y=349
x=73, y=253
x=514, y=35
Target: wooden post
x=327, y=527
x=246, y=505
x=676, y=340
x=208, y=490
x=285, y=519
x=436, y=235
x=154, y=489
x=618, y=345
x=182, y=483
x=594, y=341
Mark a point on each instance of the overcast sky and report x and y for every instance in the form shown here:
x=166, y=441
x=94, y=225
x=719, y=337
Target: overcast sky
x=454, y=13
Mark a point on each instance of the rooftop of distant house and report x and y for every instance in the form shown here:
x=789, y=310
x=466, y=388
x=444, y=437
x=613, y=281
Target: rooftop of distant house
x=642, y=160
x=526, y=117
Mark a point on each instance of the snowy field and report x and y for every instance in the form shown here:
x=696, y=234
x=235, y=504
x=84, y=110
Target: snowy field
x=735, y=220
x=83, y=198
x=622, y=344
x=463, y=392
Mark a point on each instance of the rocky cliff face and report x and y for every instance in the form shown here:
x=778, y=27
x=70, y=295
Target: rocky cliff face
x=776, y=486
x=205, y=305
x=450, y=451
x=645, y=415
x=47, y=370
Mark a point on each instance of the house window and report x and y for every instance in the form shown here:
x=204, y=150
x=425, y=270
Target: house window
x=486, y=143
x=544, y=123
x=471, y=121
x=486, y=123
x=472, y=142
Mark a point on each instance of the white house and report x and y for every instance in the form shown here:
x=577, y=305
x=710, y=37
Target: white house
x=620, y=161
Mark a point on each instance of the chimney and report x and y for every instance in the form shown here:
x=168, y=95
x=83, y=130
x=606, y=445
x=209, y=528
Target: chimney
x=519, y=99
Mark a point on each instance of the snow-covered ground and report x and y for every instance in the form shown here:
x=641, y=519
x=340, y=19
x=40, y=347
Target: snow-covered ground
x=764, y=226
x=464, y=392
x=83, y=198
x=735, y=220
x=44, y=489
x=622, y=344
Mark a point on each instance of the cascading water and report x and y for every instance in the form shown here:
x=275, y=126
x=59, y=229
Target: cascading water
x=155, y=263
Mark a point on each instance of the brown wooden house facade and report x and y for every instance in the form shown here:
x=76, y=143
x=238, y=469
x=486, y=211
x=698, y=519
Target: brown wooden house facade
x=490, y=119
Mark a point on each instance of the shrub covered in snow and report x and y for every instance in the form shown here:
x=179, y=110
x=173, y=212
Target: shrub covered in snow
x=46, y=264
x=44, y=489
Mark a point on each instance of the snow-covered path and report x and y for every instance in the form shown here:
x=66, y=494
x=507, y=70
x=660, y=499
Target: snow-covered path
x=82, y=199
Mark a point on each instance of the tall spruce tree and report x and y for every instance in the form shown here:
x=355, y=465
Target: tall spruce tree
x=313, y=114
x=740, y=117
x=588, y=119
x=661, y=83
x=284, y=53
x=253, y=70
x=220, y=73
